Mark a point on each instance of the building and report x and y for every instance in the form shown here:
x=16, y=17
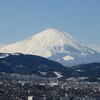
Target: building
x=30, y=97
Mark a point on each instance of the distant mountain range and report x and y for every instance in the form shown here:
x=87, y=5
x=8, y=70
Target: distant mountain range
x=55, y=45
x=31, y=64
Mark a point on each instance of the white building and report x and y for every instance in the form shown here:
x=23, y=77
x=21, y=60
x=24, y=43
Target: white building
x=30, y=97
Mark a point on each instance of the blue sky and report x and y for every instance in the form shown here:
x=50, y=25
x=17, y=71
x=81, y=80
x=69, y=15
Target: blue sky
x=20, y=19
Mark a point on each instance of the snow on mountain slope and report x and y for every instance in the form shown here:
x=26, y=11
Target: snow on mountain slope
x=68, y=58
x=58, y=74
x=3, y=55
x=51, y=43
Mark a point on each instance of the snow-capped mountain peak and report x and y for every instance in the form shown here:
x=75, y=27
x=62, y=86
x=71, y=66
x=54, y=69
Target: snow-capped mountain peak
x=50, y=43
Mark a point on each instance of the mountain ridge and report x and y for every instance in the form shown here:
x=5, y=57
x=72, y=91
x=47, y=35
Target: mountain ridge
x=35, y=65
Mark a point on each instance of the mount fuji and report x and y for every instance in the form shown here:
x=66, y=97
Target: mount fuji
x=56, y=45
